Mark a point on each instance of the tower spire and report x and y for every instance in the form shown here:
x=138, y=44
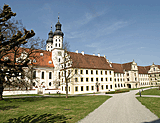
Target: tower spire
x=51, y=26
x=58, y=16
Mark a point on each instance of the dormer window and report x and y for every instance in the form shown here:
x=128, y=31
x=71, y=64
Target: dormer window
x=34, y=61
x=41, y=54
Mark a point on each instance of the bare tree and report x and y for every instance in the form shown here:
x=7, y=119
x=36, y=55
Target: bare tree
x=10, y=67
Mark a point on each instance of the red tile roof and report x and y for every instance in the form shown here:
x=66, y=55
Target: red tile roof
x=143, y=69
x=127, y=66
x=118, y=68
x=42, y=61
x=89, y=61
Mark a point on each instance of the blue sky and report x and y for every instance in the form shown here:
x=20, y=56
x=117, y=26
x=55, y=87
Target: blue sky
x=122, y=30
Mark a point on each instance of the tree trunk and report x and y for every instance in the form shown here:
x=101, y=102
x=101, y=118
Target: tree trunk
x=1, y=87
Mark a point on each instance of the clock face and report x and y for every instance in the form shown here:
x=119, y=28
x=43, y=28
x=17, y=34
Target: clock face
x=59, y=54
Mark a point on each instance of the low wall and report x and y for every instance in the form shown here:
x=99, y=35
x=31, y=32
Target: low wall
x=11, y=92
x=51, y=91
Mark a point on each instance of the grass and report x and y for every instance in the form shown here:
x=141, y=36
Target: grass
x=45, y=109
x=22, y=95
x=152, y=103
x=154, y=91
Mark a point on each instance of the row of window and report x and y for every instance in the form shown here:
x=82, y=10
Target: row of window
x=92, y=79
x=50, y=75
x=92, y=88
x=122, y=85
x=92, y=72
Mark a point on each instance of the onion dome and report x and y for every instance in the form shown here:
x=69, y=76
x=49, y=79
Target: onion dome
x=58, y=29
x=50, y=36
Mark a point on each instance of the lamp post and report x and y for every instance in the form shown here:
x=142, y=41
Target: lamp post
x=97, y=85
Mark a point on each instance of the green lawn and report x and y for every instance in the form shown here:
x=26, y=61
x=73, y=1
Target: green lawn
x=45, y=109
x=154, y=91
x=152, y=103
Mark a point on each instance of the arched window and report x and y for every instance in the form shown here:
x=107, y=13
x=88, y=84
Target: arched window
x=56, y=45
x=34, y=83
x=50, y=83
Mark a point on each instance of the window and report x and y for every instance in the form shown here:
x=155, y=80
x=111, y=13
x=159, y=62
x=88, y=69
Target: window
x=124, y=85
x=59, y=60
x=91, y=79
x=121, y=85
x=86, y=79
x=127, y=74
x=96, y=79
x=56, y=39
x=50, y=75
x=127, y=79
x=102, y=87
x=42, y=75
x=105, y=72
x=110, y=72
x=81, y=71
x=106, y=79
x=101, y=79
x=110, y=86
x=59, y=45
x=115, y=80
x=59, y=39
x=91, y=71
x=81, y=88
x=96, y=71
x=110, y=79
x=76, y=88
x=87, y=88
x=76, y=79
x=56, y=45
x=34, y=74
x=34, y=83
x=106, y=86
x=62, y=88
x=118, y=85
x=59, y=75
x=115, y=85
x=75, y=71
x=101, y=72
x=92, y=87
x=86, y=71
x=49, y=83
x=69, y=89
x=81, y=79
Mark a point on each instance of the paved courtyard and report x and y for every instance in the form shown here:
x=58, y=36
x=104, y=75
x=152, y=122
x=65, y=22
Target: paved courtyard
x=121, y=108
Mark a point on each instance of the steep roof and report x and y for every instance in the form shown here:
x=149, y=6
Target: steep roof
x=143, y=69
x=42, y=61
x=89, y=61
x=118, y=68
x=127, y=66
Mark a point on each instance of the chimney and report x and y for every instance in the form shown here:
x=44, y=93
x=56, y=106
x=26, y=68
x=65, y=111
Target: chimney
x=98, y=54
x=82, y=52
x=76, y=51
x=93, y=54
x=104, y=56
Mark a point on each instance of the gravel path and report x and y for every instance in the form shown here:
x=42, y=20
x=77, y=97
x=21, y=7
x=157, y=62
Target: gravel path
x=121, y=108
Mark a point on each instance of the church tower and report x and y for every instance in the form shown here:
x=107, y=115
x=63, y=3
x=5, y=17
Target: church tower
x=55, y=40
